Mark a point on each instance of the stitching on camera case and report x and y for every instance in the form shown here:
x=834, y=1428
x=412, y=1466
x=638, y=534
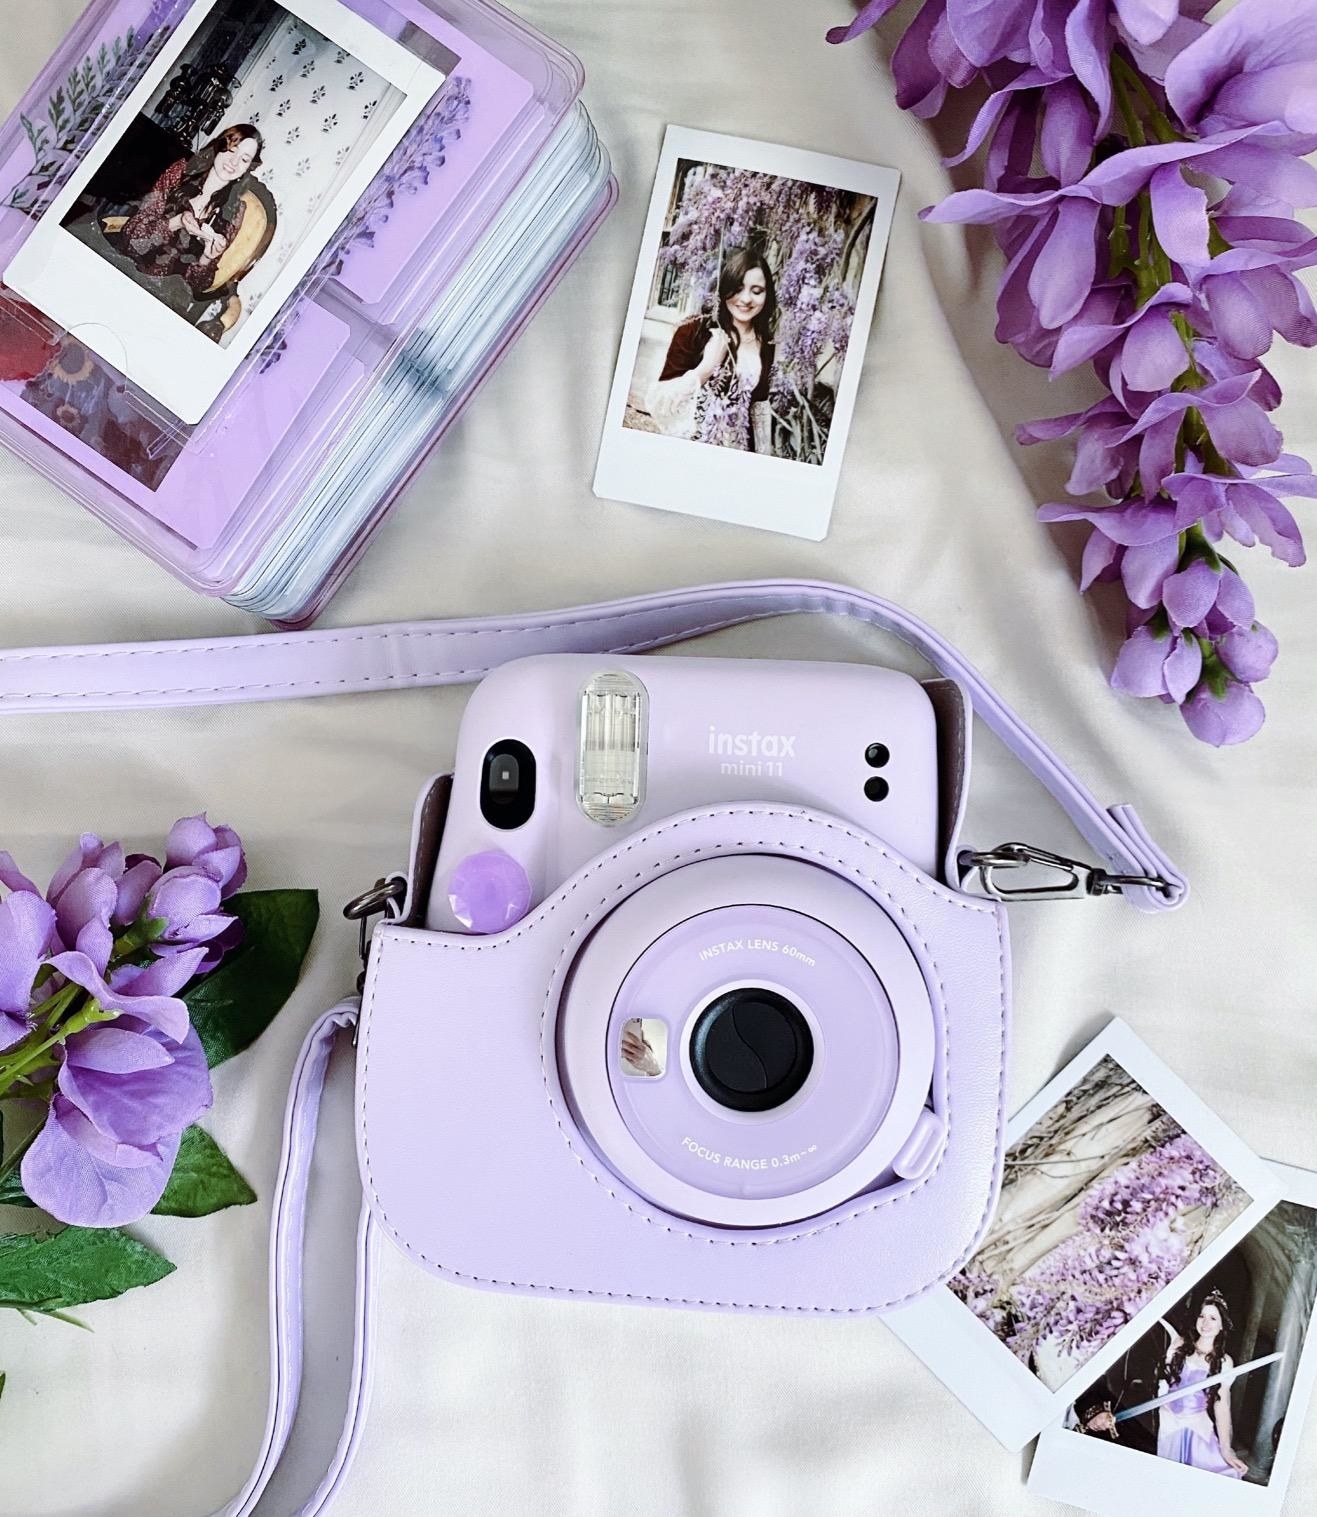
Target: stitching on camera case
x=458, y=1061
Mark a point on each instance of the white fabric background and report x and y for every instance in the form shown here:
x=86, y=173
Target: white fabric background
x=490, y=1405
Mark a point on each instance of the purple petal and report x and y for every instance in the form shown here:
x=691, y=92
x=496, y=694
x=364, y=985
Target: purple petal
x=13, y=877
x=161, y=977
x=85, y=1181
x=82, y=914
x=1088, y=43
x=1153, y=355
x=236, y=873
x=182, y=894
x=1242, y=432
x=1065, y=141
x=111, y=1049
x=84, y=856
x=1234, y=600
x=1067, y=265
x=1233, y=718
x=144, y=1105
x=1272, y=522
x=26, y=923
x=1154, y=58
x=163, y=1011
x=1157, y=452
x=987, y=31
x=871, y=14
x=1099, y=561
x=1147, y=20
x=1144, y=570
x=1133, y=525
x=1248, y=652
x=1183, y=666
x=136, y=880
x=1179, y=215
x=1189, y=595
x=13, y=1029
x=188, y=837
x=1250, y=40
x=1269, y=173
x=1139, y=664
x=1240, y=323
x=1285, y=304
x=920, y=88
x=1096, y=461
x=989, y=115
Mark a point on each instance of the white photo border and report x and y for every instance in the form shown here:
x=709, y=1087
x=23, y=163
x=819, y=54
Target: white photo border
x=1103, y=1477
x=153, y=347
x=726, y=484
x=965, y=1354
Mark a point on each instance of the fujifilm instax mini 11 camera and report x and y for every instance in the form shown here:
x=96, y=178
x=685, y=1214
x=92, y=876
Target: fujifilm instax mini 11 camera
x=681, y=993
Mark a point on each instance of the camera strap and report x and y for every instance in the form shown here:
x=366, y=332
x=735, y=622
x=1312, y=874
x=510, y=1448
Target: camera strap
x=286, y=665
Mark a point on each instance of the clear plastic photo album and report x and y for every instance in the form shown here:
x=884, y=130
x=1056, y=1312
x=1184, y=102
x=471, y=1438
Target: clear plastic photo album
x=255, y=255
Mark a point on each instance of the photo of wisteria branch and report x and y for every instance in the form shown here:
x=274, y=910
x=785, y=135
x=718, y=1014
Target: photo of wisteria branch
x=1105, y=1200
x=750, y=311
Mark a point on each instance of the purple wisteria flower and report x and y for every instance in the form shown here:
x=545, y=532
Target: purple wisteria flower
x=26, y=925
x=123, y=1095
x=1142, y=172
x=91, y=1019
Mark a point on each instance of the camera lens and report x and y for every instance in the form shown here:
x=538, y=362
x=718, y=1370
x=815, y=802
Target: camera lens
x=507, y=785
x=751, y=1049
x=504, y=776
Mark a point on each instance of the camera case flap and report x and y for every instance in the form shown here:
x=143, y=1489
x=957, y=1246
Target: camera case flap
x=506, y=1142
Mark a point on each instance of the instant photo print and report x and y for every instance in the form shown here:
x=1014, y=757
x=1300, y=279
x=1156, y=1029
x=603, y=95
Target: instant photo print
x=1120, y=1191
x=1205, y=1411
x=173, y=276
x=254, y=266
x=745, y=334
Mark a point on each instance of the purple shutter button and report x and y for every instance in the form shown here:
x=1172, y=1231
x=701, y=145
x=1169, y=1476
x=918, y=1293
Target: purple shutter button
x=489, y=891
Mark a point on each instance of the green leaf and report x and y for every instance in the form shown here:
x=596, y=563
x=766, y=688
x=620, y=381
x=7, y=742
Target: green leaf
x=234, y=1004
x=11, y=1187
x=203, y=1180
x=12, y=1192
x=47, y=1272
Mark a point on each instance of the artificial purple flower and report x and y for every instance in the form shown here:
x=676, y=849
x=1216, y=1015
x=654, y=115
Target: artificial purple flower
x=215, y=851
x=1142, y=169
x=1248, y=652
x=1162, y=664
x=26, y=925
x=1257, y=65
x=183, y=907
x=148, y=993
x=124, y=1093
x=96, y=892
x=1232, y=716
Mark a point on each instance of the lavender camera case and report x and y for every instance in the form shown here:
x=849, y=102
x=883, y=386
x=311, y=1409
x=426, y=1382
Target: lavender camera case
x=472, y=1162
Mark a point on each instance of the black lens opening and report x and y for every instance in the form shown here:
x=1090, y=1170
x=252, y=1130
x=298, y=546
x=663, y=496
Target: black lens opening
x=507, y=785
x=751, y=1049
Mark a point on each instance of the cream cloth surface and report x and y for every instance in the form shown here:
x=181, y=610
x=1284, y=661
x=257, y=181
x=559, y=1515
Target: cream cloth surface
x=485, y=1404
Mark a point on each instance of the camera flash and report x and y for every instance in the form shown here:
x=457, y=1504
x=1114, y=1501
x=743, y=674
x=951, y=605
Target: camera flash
x=610, y=782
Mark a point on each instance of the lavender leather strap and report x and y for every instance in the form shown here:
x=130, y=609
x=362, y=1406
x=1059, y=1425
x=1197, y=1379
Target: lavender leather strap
x=279, y=666
x=287, y=1237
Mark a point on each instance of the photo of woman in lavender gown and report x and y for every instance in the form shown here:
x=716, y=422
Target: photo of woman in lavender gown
x=1196, y=1428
